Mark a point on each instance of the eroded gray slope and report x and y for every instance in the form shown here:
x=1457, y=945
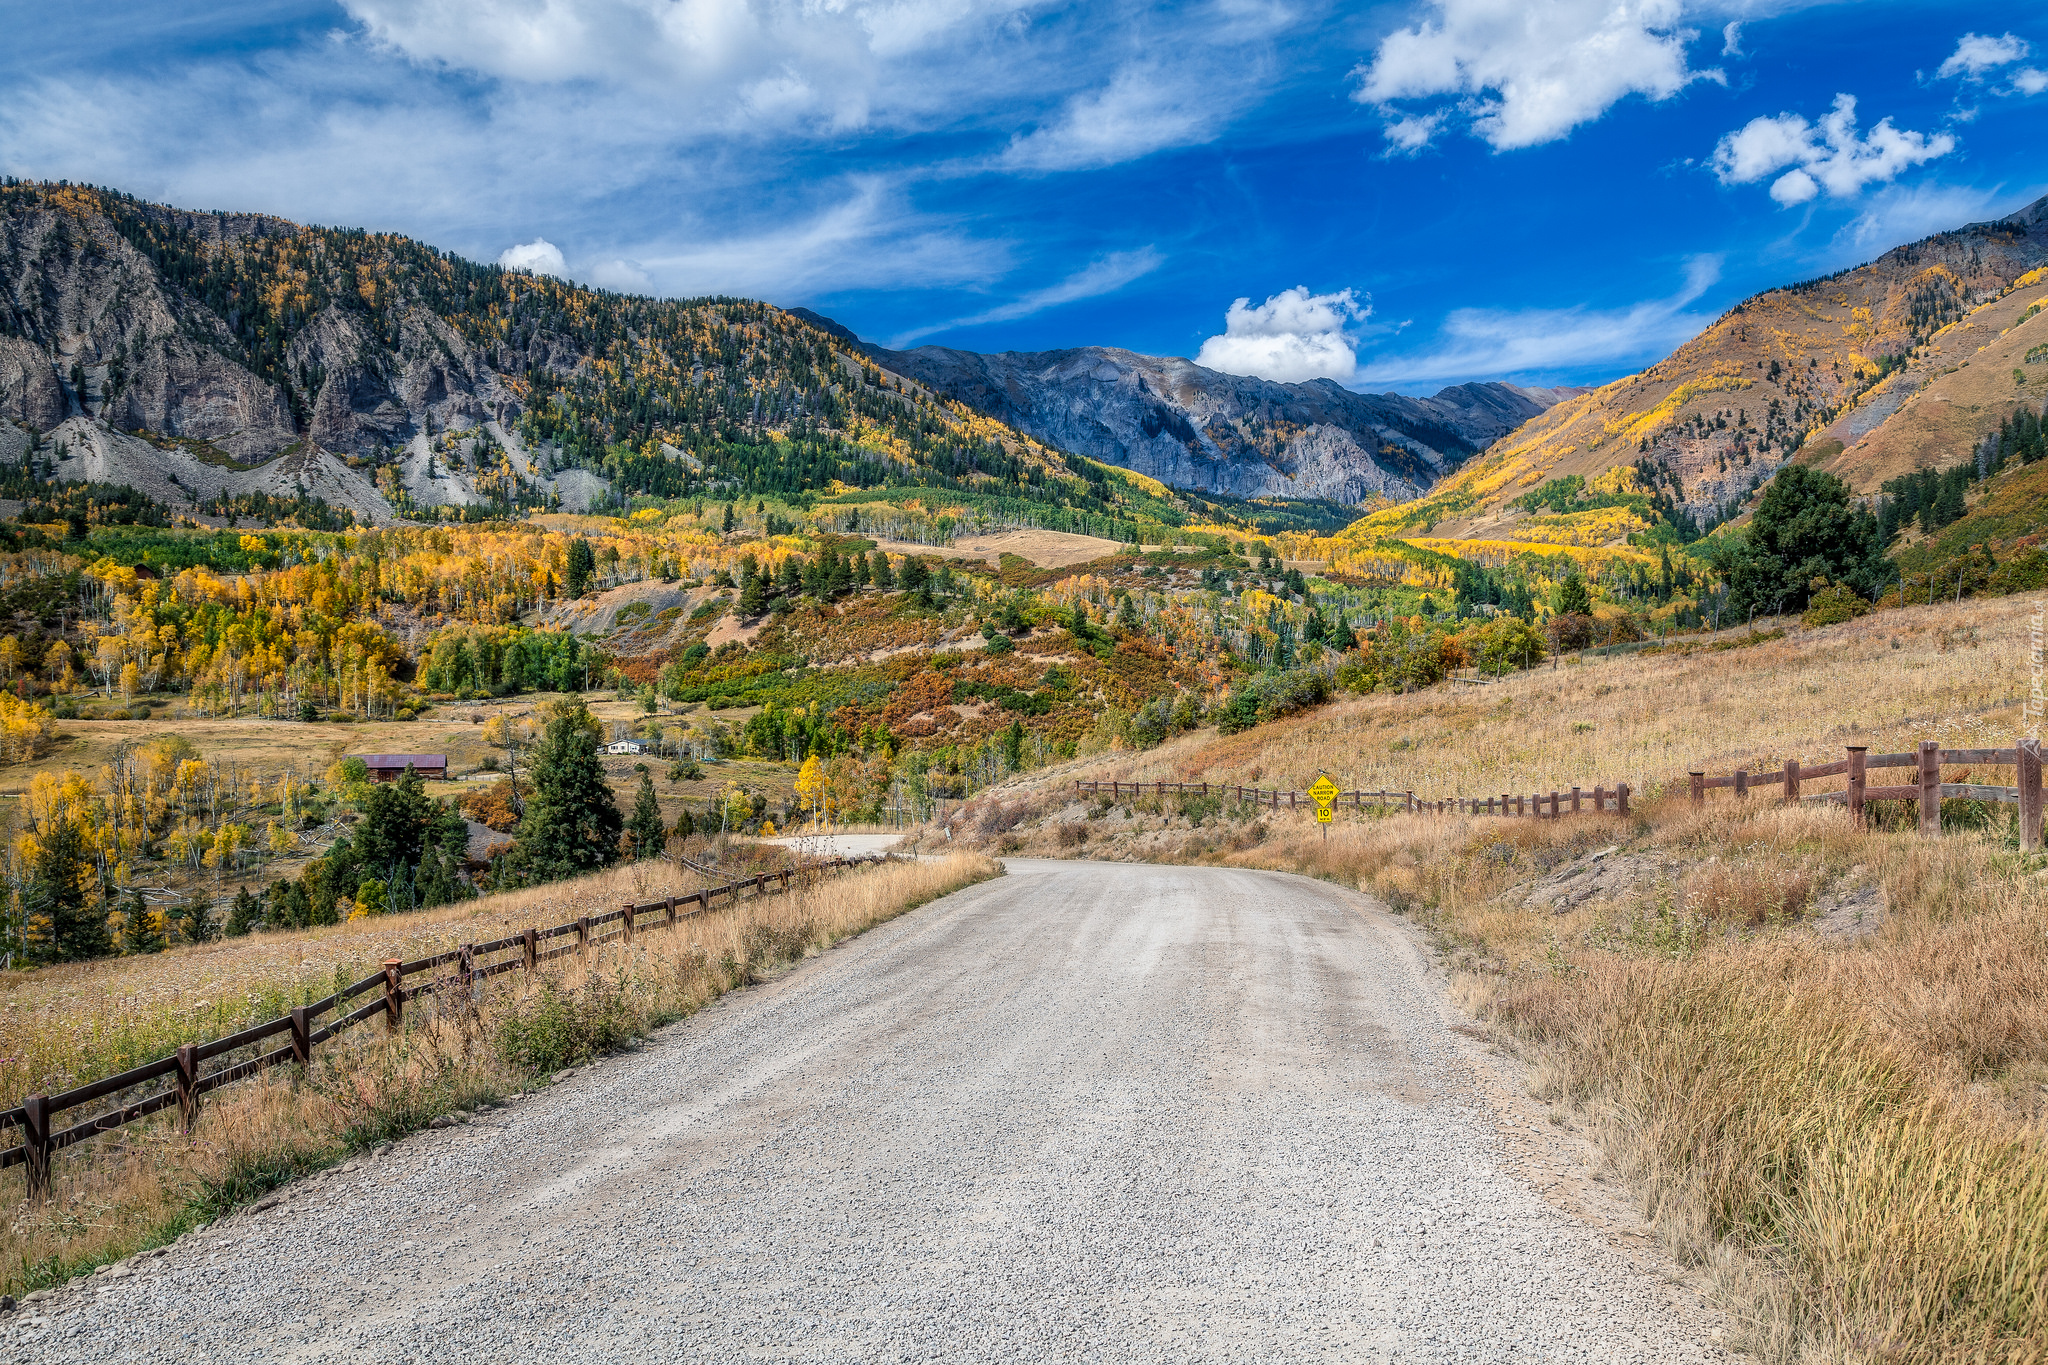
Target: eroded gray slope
x=1198, y=428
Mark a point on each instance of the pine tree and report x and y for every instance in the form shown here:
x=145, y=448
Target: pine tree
x=885, y=578
x=1573, y=597
x=686, y=824
x=245, y=914
x=143, y=932
x=729, y=520
x=1013, y=747
x=581, y=565
x=646, y=827
x=571, y=824
x=57, y=893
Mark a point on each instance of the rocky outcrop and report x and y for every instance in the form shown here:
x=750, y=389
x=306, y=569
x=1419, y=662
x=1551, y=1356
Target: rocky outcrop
x=90, y=325
x=1197, y=428
x=86, y=450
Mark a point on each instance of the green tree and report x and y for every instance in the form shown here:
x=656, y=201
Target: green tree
x=397, y=818
x=728, y=524
x=58, y=893
x=571, y=824
x=1805, y=529
x=884, y=576
x=1013, y=747
x=649, y=834
x=140, y=934
x=1572, y=597
x=245, y=914
x=582, y=564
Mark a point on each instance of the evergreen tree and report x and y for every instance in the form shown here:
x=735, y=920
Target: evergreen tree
x=753, y=590
x=648, y=833
x=245, y=914
x=884, y=576
x=686, y=824
x=58, y=894
x=915, y=575
x=1572, y=597
x=1127, y=616
x=397, y=819
x=1013, y=747
x=571, y=825
x=143, y=933
x=582, y=564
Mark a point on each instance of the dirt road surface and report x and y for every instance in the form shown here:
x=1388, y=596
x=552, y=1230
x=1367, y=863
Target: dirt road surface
x=1085, y=1112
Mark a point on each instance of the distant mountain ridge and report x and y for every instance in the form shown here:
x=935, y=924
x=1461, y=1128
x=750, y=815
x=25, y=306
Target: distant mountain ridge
x=1199, y=429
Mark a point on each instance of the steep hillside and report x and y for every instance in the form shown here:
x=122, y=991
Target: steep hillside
x=1868, y=373
x=447, y=385
x=1195, y=428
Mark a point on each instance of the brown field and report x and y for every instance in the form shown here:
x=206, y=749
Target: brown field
x=1820, y=1054
x=1046, y=549
x=147, y=1182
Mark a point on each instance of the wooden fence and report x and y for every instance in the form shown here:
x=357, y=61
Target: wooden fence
x=1576, y=801
x=186, y=1068
x=1927, y=788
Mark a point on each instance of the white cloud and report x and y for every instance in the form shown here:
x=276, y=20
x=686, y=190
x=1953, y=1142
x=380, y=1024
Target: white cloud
x=1485, y=343
x=1731, y=39
x=2030, y=81
x=1528, y=71
x=620, y=276
x=1292, y=337
x=1978, y=53
x=1898, y=213
x=1104, y=276
x=1142, y=110
x=1831, y=156
x=539, y=256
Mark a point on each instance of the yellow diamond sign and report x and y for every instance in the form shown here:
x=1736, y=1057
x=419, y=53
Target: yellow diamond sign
x=1323, y=792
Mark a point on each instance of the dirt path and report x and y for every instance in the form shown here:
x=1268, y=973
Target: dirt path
x=1083, y=1112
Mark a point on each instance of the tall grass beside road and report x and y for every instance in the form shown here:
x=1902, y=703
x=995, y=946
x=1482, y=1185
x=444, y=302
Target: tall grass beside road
x=146, y=1182
x=1820, y=1053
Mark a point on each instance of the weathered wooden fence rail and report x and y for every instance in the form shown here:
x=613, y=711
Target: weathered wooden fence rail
x=1577, y=800
x=35, y=1117
x=1927, y=788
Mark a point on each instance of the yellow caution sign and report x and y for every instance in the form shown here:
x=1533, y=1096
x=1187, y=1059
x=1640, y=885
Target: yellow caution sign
x=1324, y=791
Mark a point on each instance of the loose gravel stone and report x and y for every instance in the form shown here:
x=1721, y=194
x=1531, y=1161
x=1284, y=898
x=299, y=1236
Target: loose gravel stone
x=1085, y=1112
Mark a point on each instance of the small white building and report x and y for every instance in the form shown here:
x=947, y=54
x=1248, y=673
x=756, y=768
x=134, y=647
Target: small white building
x=626, y=746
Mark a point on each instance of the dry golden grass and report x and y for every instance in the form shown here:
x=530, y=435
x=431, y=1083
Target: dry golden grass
x=1821, y=1053
x=147, y=1182
x=1959, y=675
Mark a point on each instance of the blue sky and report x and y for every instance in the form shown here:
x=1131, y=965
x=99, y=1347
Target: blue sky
x=1403, y=195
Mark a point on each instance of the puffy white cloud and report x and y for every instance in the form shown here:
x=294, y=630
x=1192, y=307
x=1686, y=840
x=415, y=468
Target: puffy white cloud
x=1830, y=156
x=1292, y=337
x=1103, y=276
x=1528, y=71
x=1487, y=343
x=1142, y=110
x=2029, y=80
x=1977, y=53
x=1731, y=39
x=539, y=257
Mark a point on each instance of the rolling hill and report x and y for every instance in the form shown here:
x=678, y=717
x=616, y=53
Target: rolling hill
x=1904, y=363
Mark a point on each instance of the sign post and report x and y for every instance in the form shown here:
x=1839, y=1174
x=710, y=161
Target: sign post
x=1323, y=793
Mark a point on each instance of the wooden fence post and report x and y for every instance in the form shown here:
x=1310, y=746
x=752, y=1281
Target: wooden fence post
x=2030, y=795
x=1698, y=783
x=530, y=940
x=583, y=935
x=1742, y=784
x=1621, y=798
x=394, y=1003
x=35, y=1146
x=1857, y=754
x=1930, y=787
x=1411, y=802
x=188, y=1085
x=302, y=1039
x=465, y=969
x=1791, y=781
x=631, y=910
x=672, y=902
x=1575, y=800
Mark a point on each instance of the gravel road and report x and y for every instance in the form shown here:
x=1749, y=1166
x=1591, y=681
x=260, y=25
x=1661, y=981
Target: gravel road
x=1086, y=1112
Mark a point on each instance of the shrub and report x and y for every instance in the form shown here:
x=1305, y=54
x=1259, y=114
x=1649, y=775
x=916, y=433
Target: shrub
x=1834, y=604
x=1573, y=630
